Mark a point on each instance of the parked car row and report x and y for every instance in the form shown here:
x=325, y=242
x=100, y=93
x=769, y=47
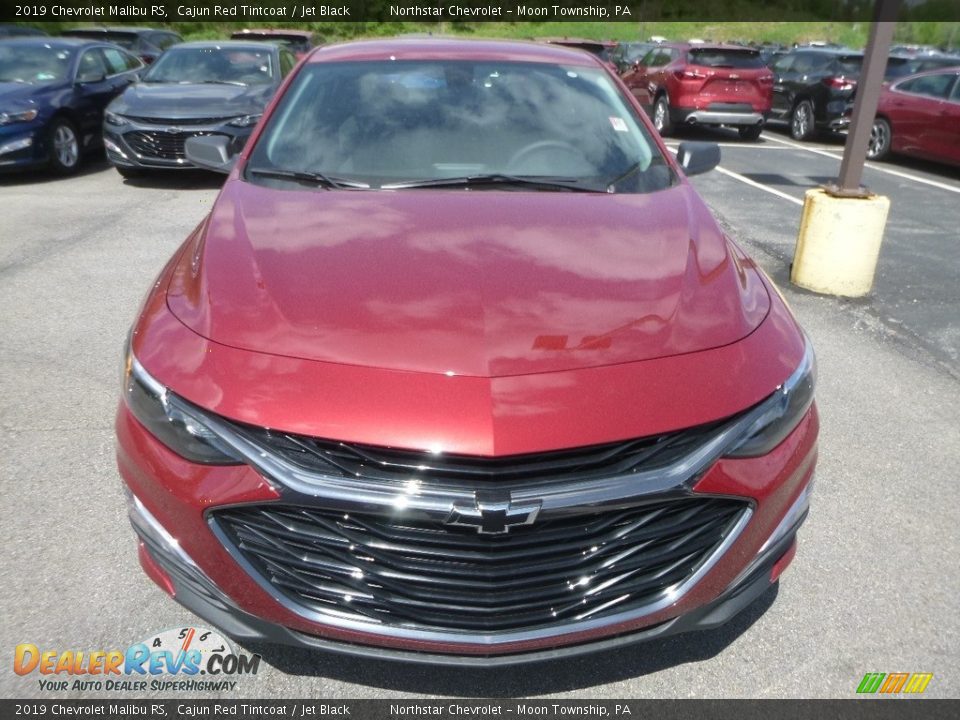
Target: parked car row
x=146, y=43
x=137, y=92
x=161, y=91
x=810, y=88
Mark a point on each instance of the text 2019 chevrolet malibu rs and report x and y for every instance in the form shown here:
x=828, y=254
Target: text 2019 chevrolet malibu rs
x=459, y=368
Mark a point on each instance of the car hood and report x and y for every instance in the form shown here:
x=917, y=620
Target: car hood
x=176, y=100
x=485, y=283
x=16, y=95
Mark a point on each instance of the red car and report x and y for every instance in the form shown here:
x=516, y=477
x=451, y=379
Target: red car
x=919, y=115
x=703, y=84
x=447, y=375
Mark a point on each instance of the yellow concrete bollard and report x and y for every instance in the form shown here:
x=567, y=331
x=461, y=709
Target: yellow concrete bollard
x=839, y=243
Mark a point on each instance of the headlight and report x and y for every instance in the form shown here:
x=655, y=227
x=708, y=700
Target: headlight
x=172, y=420
x=111, y=118
x=8, y=118
x=245, y=121
x=781, y=412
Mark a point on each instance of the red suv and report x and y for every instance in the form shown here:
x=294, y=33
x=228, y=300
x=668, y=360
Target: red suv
x=459, y=368
x=703, y=84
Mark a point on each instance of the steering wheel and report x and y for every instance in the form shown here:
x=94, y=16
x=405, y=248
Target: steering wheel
x=545, y=147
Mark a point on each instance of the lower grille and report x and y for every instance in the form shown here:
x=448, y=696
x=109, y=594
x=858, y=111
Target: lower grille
x=419, y=573
x=158, y=144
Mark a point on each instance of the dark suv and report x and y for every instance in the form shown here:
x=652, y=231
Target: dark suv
x=811, y=88
x=703, y=84
x=146, y=43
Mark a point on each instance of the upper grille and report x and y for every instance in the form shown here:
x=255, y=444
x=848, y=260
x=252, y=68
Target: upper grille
x=418, y=572
x=379, y=463
x=156, y=144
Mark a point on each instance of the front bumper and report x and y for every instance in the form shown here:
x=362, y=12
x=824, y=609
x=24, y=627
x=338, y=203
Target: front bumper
x=22, y=145
x=161, y=146
x=204, y=575
x=206, y=601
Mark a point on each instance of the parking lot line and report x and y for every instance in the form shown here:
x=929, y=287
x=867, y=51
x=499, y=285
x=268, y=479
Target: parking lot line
x=870, y=165
x=740, y=145
x=748, y=181
x=760, y=186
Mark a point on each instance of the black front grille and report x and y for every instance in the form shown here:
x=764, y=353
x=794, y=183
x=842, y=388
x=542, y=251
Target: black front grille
x=381, y=463
x=156, y=144
x=421, y=573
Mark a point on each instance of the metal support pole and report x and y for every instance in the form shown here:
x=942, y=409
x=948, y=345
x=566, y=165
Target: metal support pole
x=865, y=105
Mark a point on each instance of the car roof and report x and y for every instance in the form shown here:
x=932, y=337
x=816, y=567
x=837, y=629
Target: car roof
x=55, y=42
x=947, y=69
x=578, y=42
x=305, y=34
x=706, y=46
x=235, y=44
x=826, y=50
x=11, y=30
x=452, y=49
x=128, y=30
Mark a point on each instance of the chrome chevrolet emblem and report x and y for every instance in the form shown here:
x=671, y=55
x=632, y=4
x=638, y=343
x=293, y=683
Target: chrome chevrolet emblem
x=493, y=513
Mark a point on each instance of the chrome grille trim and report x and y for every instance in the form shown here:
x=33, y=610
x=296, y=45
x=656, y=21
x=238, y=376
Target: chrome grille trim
x=438, y=499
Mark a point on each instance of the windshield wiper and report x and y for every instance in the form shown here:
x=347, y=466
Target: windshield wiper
x=307, y=177
x=543, y=182
x=629, y=172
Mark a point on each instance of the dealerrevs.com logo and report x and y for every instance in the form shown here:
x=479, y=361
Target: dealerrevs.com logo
x=183, y=659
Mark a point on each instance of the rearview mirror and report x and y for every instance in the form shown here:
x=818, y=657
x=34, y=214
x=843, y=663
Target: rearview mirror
x=210, y=152
x=698, y=157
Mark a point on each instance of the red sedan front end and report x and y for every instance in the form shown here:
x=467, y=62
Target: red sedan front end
x=402, y=408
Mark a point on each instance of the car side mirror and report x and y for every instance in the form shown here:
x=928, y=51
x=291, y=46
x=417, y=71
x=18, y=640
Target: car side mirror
x=210, y=152
x=698, y=157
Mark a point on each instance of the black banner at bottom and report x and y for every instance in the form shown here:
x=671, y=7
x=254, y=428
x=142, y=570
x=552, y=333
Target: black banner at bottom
x=450, y=709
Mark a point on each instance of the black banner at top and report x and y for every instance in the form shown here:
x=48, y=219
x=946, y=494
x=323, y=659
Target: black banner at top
x=296, y=11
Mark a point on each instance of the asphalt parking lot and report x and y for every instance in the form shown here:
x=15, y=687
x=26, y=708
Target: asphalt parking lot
x=875, y=581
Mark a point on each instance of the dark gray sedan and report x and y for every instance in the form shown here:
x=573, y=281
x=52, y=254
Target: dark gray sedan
x=198, y=88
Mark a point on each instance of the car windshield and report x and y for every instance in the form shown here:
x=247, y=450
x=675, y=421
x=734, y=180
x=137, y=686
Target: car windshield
x=34, y=63
x=850, y=64
x=726, y=58
x=635, y=52
x=213, y=64
x=408, y=123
